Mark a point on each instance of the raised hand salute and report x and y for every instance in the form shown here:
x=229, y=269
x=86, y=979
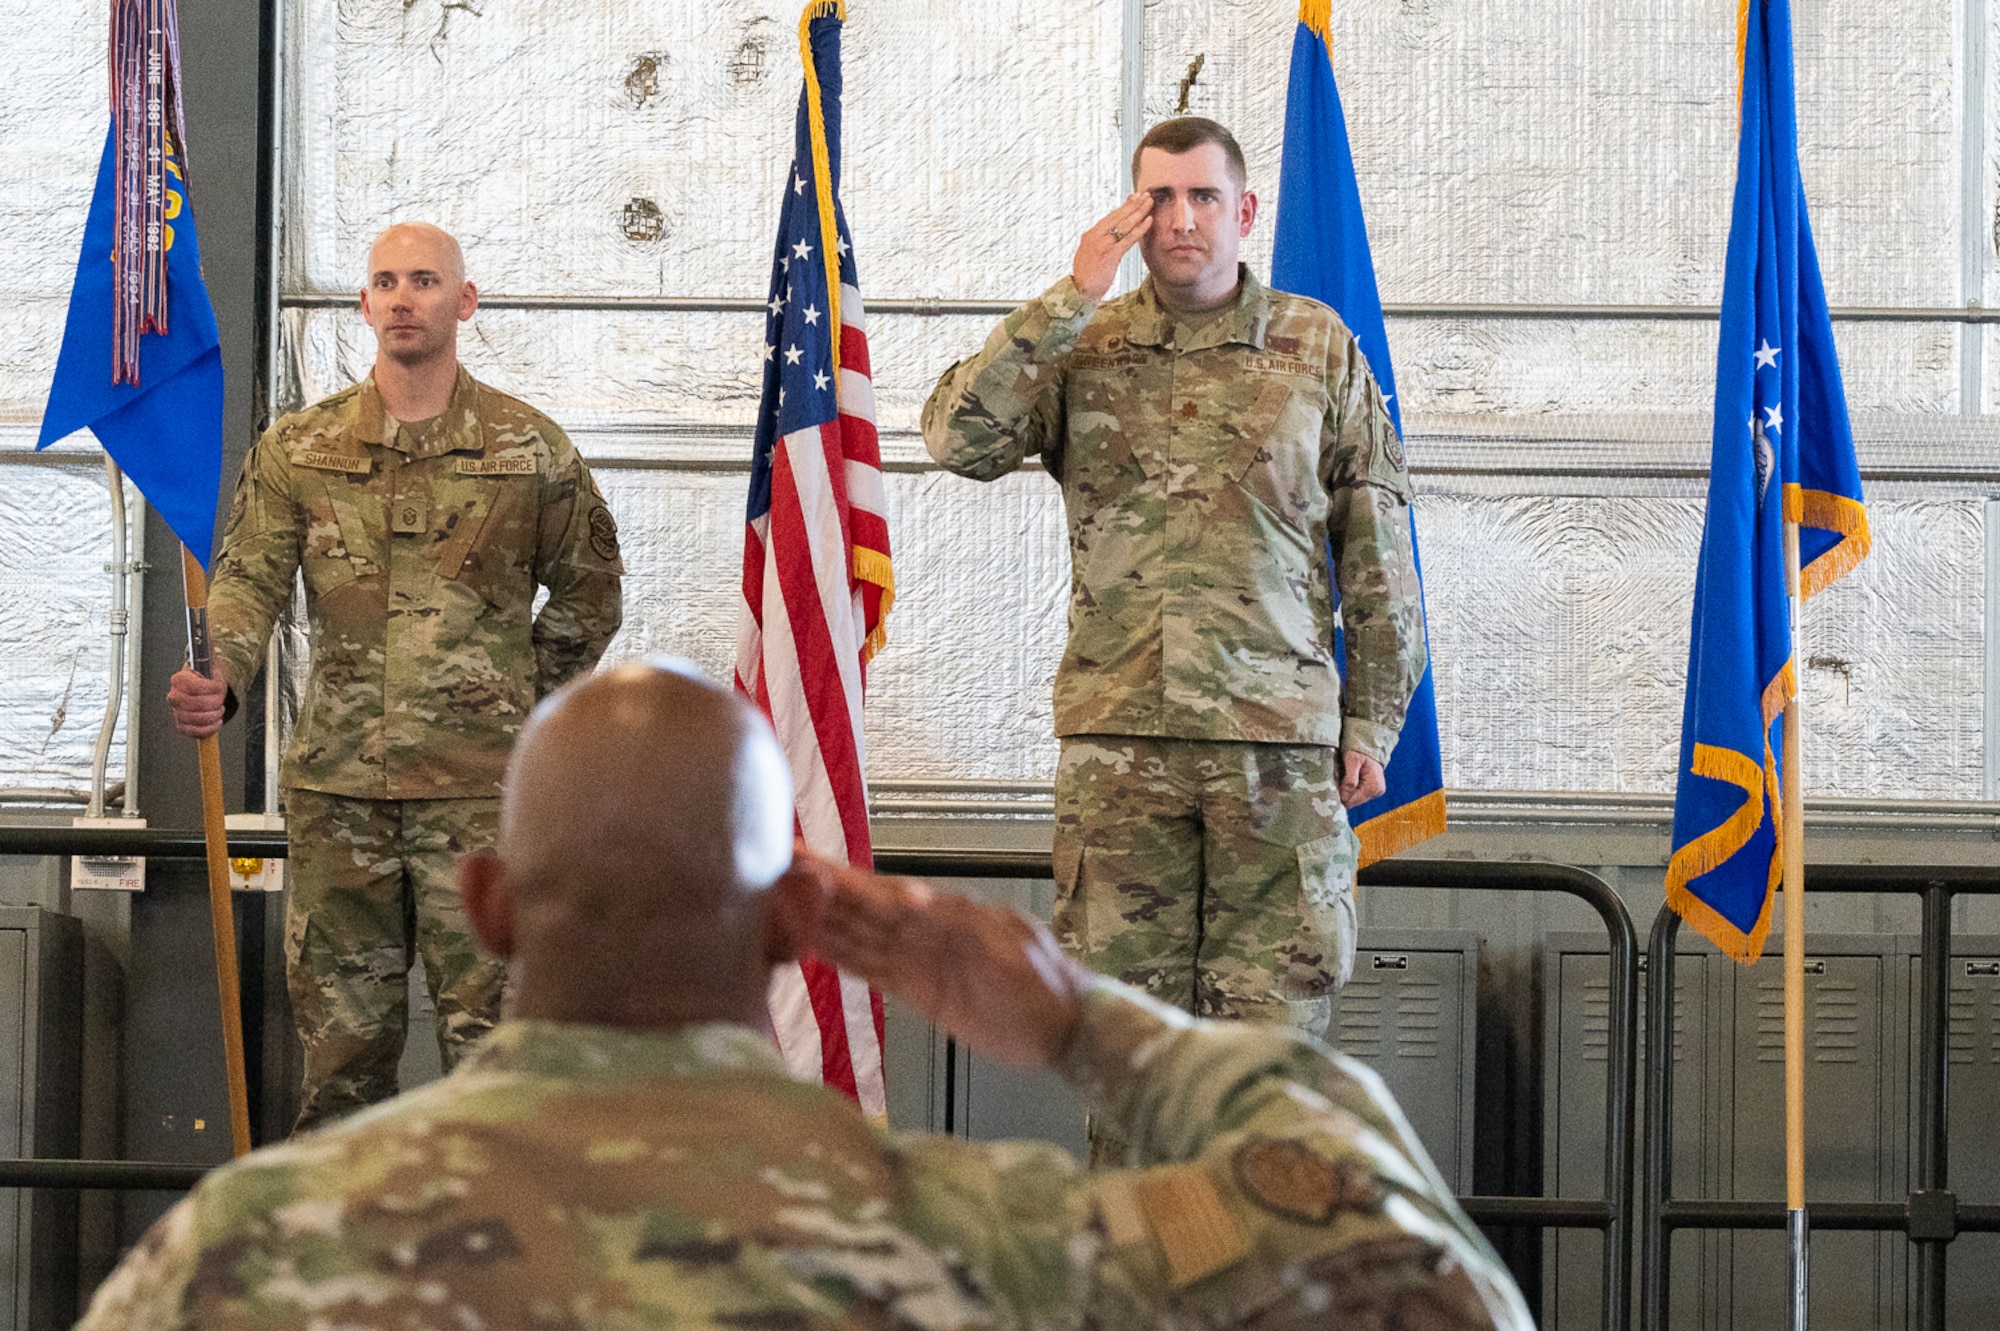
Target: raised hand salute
x=1104, y=245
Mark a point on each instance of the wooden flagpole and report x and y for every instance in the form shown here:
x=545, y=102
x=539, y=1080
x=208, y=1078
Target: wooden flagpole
x=1793, y=845
x=222, y=913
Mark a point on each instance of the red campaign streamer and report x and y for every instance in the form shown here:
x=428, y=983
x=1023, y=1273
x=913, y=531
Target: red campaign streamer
x=148, y=126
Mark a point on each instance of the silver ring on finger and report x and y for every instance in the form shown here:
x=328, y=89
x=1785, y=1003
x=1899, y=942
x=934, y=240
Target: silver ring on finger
x=1116, y=234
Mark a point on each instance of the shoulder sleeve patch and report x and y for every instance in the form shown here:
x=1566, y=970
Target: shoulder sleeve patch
x=1392, y=450
x=603, y=532
x=1290, y=1179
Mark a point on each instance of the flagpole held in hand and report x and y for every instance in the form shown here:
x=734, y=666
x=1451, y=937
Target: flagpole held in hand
x=222, y=914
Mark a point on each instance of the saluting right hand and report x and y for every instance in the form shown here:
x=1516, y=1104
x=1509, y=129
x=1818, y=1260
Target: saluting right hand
x=1104, y=245
x=197, y=702
x=992, y=978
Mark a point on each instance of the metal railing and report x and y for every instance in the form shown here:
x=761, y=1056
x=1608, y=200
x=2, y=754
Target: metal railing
x=1931, y=1215
x=1613, y=1214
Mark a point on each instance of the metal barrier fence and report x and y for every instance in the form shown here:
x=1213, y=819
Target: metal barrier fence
x=1931, y=1216
x=1613, y=1214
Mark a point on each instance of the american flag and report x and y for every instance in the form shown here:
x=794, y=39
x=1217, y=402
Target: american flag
x=816, y=576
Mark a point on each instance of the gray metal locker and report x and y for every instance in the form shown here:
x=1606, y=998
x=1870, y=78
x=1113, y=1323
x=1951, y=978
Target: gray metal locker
x=1729, y=1126
x=1410, y=1013
x=1577, y=1019
x=1972, y=1053
x=911, y=1050
x=1854, y=1055
x=41, y=1006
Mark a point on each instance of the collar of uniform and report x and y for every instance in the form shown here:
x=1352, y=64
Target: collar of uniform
x=455, y=429
x=580, y=1051
x=1243, y=322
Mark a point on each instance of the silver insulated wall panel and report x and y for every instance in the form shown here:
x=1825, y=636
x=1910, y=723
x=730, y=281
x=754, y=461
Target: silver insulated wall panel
x=55, y=512
x=1510, y=155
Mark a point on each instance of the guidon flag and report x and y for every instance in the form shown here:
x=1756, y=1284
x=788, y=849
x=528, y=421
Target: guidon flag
x=141, y=360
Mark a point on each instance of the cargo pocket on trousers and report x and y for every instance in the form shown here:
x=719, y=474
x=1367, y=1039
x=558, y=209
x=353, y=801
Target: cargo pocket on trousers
x=1326, y=880
x=1070, y=923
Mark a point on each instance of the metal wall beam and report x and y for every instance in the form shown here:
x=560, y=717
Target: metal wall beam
x=1975, y=226
x=1992, y=735
x=937, y=308
x=1131, y=121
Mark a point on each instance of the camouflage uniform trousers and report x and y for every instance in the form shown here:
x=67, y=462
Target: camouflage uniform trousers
x=1216, y=875
x=374, y=883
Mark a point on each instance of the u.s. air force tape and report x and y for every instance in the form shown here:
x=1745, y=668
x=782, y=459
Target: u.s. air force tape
x=500, y=466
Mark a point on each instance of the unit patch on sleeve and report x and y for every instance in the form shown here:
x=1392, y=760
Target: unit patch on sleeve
x=603, y=532
x=1290, y=1179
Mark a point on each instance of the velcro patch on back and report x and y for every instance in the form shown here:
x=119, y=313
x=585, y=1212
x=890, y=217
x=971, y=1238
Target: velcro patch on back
x=1118, y=1208
x=322, y=461
x=1197, y=1233
x=517, y=465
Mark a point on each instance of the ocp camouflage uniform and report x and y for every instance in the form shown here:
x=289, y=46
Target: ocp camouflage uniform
x=580, y=1176
x=1201, y=848
x=422, y=548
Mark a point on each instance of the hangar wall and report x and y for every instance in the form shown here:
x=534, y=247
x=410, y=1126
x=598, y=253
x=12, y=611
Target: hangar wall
x=640, y=146
x=1513, y=157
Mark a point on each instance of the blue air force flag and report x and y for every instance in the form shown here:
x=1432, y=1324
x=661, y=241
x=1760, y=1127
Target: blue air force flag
x=163, y=426
x=1783, y=451
x=1321, y=251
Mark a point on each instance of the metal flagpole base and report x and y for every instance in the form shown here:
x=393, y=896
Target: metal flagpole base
x=1795, y=1285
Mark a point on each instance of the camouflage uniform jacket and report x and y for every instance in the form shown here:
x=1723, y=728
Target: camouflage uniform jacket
x=421, y=555
x=581, y=1176
x=1204, y=473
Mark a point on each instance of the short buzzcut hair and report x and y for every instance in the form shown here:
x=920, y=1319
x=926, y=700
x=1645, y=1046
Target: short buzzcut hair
x=1186, y=133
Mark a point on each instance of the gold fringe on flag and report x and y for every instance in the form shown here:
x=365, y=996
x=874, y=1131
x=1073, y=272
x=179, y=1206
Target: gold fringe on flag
x=1396, y=831
x=1742, y=42
x=872, y=566
x=1713, y=848
x=1318, y=15
x=1716, y=846
x=1834, y=513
